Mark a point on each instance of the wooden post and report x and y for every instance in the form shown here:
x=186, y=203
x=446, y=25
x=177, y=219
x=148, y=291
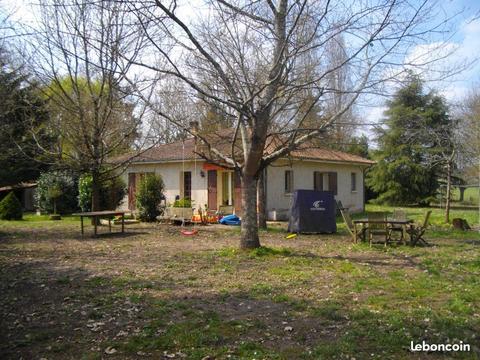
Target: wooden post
x=95, y=219
x=109, y=224
x=355, y=240
x=123, y=223
x=81, y=224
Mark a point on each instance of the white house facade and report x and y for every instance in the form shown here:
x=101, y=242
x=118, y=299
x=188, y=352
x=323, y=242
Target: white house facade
x=185, y=175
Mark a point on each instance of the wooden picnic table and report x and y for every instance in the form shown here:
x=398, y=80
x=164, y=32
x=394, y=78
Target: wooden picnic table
x=97, y=215
x=365, y=222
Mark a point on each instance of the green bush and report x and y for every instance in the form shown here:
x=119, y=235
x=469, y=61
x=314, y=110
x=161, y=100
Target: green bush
x=60, y=186
x=10, y=208
x=85, y=192
x=149, y=195
x=111, y=194
x=183, y=203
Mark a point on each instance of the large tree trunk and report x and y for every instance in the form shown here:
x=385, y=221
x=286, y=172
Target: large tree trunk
x=249, y=230
x=261, y=198
x=449, y=192
x=95, y=192
x=95, y=195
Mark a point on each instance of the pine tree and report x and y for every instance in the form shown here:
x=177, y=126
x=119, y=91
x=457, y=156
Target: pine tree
x=22, y=118
x=404, y=173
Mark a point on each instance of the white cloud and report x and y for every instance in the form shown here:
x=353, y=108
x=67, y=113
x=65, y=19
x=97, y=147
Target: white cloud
x=375, y=114
x=453, y=76
x=458, y=68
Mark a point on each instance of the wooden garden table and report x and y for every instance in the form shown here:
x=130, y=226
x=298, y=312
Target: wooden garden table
x=97, y=215
x=365, y=222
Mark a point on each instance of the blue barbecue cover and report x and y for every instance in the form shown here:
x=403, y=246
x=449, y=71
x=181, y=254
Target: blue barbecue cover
x=312, y=212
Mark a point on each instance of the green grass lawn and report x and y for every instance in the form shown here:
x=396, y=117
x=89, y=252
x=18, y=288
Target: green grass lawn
x=470, y=196
x=437, y=218
x=33, y=220
x=153, y=293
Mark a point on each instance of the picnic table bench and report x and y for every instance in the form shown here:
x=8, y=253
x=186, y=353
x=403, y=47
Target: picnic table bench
x=97, y=215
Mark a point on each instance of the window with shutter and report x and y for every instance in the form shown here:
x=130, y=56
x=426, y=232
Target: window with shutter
x=354, y=181
x=332, y=182
x=317, y=181
x=288, y=181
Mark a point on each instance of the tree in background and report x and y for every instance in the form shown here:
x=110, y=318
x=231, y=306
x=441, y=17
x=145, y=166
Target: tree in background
x=405, y=172
x=111, y=194
x=56, y=192
x=78, y=51
x=468, y=133
x=341, y=132
x=358, y=145
x=23, y=118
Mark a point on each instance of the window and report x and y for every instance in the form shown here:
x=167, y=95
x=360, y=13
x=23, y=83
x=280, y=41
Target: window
x=354, y=181
x=317, y=181
x=288, y=181
x=332, y=182
x=186, y=184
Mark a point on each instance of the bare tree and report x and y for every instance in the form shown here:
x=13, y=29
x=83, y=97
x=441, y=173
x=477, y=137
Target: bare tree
x=77, y=51
x=445, y=148
x=248, y=56
x=469, y=135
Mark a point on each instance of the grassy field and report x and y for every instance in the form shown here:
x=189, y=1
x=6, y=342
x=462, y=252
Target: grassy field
x=438, y=227
x=153, y=293
x=470, y=197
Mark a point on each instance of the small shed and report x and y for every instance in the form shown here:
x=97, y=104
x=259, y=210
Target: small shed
x=312, y=212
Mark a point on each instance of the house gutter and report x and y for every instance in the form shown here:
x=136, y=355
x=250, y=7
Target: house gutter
x=337, y=162
x=165, y=161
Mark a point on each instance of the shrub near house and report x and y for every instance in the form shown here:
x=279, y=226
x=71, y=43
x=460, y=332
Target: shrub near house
x=10, y=208
x=111, y=194
x=149, y=196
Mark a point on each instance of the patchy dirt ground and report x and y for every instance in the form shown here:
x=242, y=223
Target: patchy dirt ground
x=152, y=293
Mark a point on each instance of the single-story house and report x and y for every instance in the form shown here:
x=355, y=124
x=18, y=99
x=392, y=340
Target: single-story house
x=25, y=193
x=187, y=175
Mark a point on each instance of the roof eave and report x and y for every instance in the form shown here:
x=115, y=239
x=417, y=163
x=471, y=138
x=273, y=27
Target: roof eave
x=363, y=163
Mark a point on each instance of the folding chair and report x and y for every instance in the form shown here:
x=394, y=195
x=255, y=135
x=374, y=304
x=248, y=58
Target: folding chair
x=350, y=226
x=417, y=231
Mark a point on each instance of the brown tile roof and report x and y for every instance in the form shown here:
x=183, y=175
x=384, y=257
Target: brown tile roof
x=177, y=151
x=325, y=154
x=169, y=152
